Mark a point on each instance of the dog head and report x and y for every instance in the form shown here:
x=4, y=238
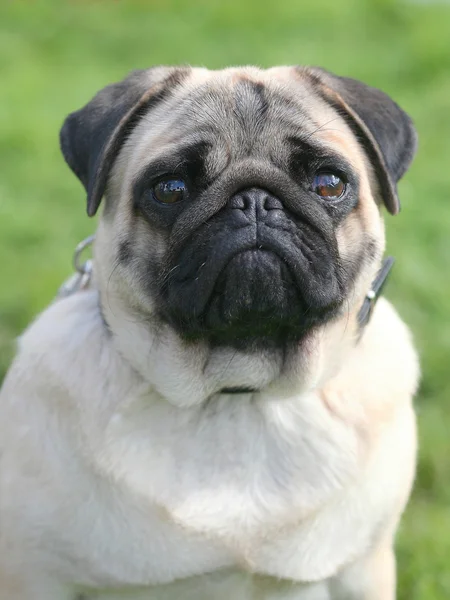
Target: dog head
x=242, y=206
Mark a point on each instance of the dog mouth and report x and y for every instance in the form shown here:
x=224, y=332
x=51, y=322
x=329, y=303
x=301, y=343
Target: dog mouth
x=254, y=296
x=247, y=297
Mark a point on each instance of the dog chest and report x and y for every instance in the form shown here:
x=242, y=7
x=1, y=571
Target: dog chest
x=142, y=550
x=225, y=585
x=290, y=514
x=275, y=487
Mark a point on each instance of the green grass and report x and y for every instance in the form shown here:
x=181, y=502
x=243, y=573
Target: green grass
x=55, y=55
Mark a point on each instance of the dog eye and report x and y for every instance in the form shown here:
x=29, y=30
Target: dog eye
x=328, y=185
x=169, y=191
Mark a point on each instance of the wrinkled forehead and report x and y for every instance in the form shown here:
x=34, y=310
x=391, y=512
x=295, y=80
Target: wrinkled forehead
x=238, y=113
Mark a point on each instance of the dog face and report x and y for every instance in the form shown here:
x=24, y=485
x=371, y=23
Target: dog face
x=242, y=206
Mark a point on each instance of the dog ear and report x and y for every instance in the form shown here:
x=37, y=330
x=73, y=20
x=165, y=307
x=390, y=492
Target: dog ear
x=382, y=127
x=92, y=137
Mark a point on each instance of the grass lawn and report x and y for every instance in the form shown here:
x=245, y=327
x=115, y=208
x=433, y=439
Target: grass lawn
x=55, y=55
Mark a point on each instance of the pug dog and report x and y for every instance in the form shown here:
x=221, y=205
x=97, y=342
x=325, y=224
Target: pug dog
x=225, y=411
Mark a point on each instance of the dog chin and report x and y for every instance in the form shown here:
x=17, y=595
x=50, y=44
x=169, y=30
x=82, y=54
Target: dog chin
x=255, y=304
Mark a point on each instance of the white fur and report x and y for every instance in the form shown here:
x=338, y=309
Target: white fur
x=120, y=475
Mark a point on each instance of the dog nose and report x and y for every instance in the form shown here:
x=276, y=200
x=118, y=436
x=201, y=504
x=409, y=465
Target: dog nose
x=255, y=200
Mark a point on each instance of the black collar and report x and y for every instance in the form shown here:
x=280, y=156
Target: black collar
x=374, y=293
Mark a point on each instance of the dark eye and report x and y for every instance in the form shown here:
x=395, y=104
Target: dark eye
x=169, y=191
x=328, y=185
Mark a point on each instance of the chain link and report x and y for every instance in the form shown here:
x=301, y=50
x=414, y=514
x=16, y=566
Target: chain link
x=80, y=280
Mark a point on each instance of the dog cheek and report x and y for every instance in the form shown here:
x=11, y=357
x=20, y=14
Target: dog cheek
x=348, y=235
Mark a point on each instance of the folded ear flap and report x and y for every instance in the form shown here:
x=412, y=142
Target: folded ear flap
x=381, y=126
x=92, y=137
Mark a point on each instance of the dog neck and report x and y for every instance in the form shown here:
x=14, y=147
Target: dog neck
x=188, y=374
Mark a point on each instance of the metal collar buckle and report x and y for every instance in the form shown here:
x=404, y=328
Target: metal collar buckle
x=81, y=279
x=374, y=293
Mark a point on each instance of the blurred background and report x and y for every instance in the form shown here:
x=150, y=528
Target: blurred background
x=54, y=55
